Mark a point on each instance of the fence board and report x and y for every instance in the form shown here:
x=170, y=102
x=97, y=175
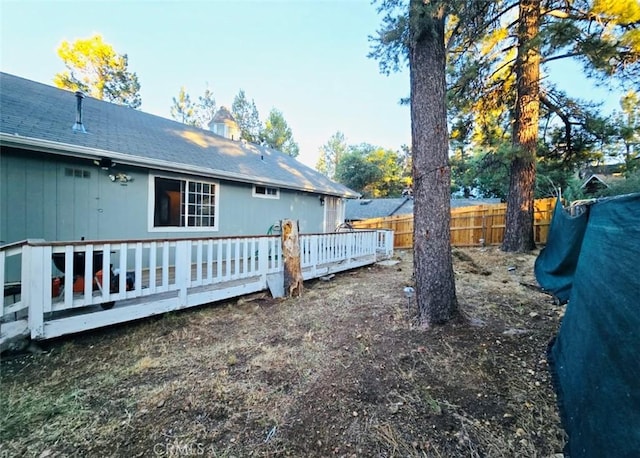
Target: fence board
x=470, y=226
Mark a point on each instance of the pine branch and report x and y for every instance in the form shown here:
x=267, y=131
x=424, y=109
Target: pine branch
x=563, y=116
x=561, y=56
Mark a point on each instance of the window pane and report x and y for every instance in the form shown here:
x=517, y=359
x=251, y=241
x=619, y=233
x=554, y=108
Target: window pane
x=168, y=202
x=199, y=208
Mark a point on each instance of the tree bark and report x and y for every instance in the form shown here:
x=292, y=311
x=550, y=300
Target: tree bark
x=433, y=265
x=518, y=234
x=293, y=281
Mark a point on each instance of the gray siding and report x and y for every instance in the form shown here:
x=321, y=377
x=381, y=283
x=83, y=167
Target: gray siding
x=38, y=199
x=243, y=214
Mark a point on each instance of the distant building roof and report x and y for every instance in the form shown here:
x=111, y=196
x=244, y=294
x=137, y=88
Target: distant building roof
x=39, y=117
x=359, y=209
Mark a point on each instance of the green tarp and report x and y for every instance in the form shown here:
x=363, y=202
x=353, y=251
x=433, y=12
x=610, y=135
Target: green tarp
x=594, y=262
x=556, y=265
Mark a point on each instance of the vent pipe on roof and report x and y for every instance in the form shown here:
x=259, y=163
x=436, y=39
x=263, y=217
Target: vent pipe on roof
x=78, y=126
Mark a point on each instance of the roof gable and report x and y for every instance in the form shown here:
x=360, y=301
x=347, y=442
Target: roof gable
x=35, y=114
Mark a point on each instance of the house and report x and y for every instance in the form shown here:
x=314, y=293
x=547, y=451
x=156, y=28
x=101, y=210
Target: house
x=597, y=183
x=73, y=167
x=361, y=209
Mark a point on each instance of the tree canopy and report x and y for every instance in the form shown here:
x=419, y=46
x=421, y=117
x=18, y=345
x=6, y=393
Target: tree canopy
x=183, y=109
x=278, y=135
x=495, y=50
x=205, y=108
x=330, y=154
x=95, y=68
x=192, y=113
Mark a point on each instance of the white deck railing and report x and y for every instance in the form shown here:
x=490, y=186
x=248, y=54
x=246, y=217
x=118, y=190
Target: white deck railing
x=62, y=287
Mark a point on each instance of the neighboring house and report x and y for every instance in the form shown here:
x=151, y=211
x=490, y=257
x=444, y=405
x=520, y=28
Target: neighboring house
x=598, y=182
x=120, y=173
x=361, y=209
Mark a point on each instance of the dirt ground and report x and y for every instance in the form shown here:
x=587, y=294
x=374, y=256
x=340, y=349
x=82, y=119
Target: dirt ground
x=342, y=371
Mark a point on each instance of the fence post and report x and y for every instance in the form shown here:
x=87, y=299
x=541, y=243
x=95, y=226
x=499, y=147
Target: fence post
x=484, y=229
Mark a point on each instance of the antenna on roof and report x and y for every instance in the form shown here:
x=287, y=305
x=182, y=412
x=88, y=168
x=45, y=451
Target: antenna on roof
x=78, y=126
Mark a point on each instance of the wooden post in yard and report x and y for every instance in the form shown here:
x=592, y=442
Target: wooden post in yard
x=291, y=256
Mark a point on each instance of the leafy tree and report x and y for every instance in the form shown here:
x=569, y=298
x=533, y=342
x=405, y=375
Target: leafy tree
x=331, y=153
x=356, y=172
x=371, y=170
x=627, y=132
x=321, y=165
x=391, y=182
x=277, y=134
x=246, y=115
x=95, y=68
x=183, y=109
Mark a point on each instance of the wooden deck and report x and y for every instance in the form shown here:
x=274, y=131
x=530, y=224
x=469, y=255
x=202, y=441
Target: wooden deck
x=169, y=275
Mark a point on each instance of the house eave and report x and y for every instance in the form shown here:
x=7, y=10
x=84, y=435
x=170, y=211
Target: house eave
x=84, y=152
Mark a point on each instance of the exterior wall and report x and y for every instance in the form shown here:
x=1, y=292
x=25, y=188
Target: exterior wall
x=243, y=214
x=39, y=199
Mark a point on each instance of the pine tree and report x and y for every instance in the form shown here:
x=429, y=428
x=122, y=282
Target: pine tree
x=183, y=109
x=278, y=135
x=247, y=117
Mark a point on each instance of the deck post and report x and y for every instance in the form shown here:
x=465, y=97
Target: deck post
x=32, y=290
x=263, y=259
x=183, y=270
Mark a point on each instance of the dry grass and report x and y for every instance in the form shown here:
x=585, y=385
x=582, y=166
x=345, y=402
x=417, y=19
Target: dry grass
x=341, y=371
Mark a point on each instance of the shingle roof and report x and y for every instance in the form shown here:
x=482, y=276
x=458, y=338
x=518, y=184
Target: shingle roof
x=39, y=116
x=359, y=209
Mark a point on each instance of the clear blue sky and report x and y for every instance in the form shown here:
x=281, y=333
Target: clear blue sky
x=308, y=58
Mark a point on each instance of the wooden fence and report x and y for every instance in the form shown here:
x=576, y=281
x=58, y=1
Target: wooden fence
x=470, y=226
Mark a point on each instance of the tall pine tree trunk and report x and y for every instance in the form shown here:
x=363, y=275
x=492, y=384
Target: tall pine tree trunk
x=518, y=234
x=435, y=285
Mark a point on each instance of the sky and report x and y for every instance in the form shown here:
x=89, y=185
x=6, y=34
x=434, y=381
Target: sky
x=307, y=58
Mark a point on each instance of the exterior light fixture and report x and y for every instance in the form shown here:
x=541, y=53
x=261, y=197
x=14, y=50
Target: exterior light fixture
x=120, y=177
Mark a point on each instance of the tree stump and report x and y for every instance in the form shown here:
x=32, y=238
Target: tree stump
x=291, y=255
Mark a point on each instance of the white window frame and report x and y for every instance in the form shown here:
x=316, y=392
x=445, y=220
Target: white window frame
x=152, y=201
x=266, y=195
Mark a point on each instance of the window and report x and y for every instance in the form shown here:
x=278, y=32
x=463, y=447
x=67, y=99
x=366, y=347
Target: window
x=266, y=192
x=184, y=203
